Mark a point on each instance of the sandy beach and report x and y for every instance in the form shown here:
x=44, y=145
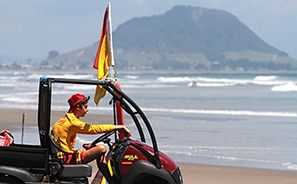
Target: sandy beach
x=192, y=173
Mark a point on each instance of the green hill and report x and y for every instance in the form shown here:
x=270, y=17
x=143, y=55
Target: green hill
x=186, y=29
x=185, y=38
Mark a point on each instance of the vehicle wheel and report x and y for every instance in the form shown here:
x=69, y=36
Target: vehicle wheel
x=6, y=179
x=151, y=179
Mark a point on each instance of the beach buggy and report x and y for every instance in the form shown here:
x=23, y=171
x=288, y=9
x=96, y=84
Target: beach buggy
x=131, y=161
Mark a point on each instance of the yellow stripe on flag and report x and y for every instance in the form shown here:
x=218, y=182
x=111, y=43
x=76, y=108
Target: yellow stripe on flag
x=103, y=64
x=103, y=58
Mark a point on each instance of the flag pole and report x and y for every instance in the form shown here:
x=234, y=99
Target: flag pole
x=109, y=37
x=112, y=71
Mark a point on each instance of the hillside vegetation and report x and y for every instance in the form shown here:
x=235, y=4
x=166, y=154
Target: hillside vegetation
x=184, y=38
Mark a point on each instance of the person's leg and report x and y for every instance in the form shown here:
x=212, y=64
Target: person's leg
x=98, y=153
x=91, y=154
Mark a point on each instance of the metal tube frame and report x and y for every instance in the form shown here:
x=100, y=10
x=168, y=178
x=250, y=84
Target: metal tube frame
x=44, y=110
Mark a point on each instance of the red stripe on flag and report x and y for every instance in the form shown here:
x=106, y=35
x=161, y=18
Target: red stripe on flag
x=103, y=33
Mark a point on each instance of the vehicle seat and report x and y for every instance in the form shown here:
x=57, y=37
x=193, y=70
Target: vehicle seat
x=67, y=171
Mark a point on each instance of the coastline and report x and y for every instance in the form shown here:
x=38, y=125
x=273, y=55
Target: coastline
x=92, y=71
x=192, y=173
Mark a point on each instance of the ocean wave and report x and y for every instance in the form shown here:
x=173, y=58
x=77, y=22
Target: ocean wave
x=290, y=86
x=19, y=73
x=211, y=84
x=8, y=85
x=222, y=82
x=148, y=86
x=68, y=76
x=291, y=166
x=224, y=112
x=136, y=81
x=174, y=79
x=265, y=78
x=19, y=99
x=158, y=110
x=241, y=159
x=34, y=76
x=131, y=77
x=11, y=79
x=268, y=82
x=220, y=157
x=79, y=87
x=240, y=155
x=202, y=82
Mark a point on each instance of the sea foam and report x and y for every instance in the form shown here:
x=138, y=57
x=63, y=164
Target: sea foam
x=290, y=86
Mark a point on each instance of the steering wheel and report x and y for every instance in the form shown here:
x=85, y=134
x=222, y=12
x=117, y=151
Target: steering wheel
x=101, y=138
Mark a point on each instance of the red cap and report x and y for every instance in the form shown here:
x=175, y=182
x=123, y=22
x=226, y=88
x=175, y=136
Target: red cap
x=75, y=99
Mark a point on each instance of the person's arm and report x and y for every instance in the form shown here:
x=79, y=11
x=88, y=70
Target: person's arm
x=123, y=129
x=120, y=128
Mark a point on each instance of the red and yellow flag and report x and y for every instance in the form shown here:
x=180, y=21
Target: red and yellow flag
x=104, y=57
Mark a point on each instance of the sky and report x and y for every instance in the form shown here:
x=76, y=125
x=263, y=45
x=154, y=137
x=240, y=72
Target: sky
x=30, y=29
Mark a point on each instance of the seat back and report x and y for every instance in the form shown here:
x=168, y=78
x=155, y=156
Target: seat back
x=53, y=150
x=67, y=172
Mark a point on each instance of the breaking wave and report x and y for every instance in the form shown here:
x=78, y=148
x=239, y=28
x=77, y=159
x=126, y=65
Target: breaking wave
x=290, y=86
x=224, y=112
x=222, y=82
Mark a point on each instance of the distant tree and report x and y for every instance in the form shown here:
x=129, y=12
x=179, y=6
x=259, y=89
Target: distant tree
x=52, y=54
x=121, y=64
x=165, y=64
x=44, y=63
x=200, y=66
x=15, y=65
x=213, y=55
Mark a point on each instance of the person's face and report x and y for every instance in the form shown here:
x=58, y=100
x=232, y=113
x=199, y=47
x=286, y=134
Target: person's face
x=82, y=111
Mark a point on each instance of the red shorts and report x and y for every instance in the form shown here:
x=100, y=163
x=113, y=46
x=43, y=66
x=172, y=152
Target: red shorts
x=78, y=157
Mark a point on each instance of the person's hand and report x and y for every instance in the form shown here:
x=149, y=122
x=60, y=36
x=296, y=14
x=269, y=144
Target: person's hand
x=86, y=146
x=124, y=130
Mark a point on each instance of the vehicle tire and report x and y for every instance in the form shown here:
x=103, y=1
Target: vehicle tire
x=6, y=179
x=150, y=180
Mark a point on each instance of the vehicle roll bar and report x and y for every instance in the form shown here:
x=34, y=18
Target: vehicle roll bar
x=126, y=102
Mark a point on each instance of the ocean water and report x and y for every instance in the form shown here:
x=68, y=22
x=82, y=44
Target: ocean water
x=246, y=120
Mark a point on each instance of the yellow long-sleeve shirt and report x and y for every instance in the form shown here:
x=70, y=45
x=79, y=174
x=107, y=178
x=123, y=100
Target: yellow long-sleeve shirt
x=65, y=130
